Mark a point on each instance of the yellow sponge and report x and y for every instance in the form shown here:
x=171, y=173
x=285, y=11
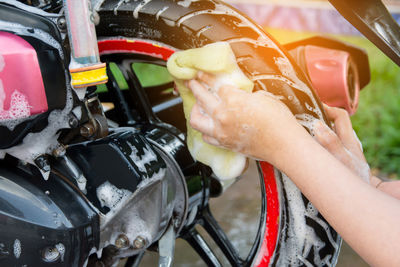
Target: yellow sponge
x=218, y=59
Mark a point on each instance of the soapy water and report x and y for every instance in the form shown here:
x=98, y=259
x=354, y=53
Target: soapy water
x=202, y=30
x=159, y=12
x=17, y=248
x=110, y=196
x=300, y=237
x=139, y=7
x=186, y=3
x=141, y=161
x=61, y=249
x=19, y=107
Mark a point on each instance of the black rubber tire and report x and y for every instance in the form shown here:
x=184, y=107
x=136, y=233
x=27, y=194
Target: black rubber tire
x=305, y=239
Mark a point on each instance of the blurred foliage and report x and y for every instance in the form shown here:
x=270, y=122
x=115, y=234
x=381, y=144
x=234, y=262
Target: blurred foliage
x=377, y=121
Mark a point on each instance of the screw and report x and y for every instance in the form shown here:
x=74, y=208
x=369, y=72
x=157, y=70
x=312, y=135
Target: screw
x=62, y=24
x=122, y=241
x=59, y=151
x=50, y=254
x=139, y=242
x=87, y=130
x=73, y=122
x=43, y=163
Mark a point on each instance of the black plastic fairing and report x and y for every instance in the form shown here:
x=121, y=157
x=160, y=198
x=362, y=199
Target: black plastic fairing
x=120, y=158
x=36, y=215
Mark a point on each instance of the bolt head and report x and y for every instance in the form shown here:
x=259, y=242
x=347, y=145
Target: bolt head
x=59, y=151
x=139, y=242
x=73, y=122
x=50, y=254
x=122, y=241
x=42, y=163
x=62, y=24
x=87, y=130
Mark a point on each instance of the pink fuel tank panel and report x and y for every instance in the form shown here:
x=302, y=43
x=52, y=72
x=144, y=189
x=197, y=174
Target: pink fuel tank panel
x=22, y=92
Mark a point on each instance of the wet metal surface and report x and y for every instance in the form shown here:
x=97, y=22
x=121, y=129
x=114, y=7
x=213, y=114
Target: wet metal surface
x=237, y=211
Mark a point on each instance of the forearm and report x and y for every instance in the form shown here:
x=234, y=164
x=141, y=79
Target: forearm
x=367, y=219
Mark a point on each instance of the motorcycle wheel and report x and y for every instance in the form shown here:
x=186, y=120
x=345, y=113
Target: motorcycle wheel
x=292, y=232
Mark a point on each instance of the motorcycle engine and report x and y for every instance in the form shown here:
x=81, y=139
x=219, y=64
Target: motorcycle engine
x=136, y=187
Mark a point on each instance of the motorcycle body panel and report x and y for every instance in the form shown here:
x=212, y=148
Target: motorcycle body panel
x=37, y=216
x=43, y=39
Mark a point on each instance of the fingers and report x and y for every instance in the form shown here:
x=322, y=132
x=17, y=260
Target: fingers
x=211, y=140
x=343, y=128
x=200, y=121
x=329, y=140
x=227, y=91
x=206, y=78
x=205, y=98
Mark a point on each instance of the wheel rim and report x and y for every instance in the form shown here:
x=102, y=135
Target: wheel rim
x=266, y=240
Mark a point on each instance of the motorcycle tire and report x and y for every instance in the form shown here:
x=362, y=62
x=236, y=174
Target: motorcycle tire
x=303, y=237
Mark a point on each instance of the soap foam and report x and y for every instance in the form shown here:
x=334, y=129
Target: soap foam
x=186, y=3
x=141, y=161
x=298, y=237
x=19, y=109
x=111, y=196
x=17, y=248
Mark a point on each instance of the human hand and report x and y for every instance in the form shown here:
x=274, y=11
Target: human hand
x=343, y=144
x=254, y=124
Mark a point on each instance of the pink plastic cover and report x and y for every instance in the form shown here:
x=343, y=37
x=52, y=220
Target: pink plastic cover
x=329, y=72
x=22, y=92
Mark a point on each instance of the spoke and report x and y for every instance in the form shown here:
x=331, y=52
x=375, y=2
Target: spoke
x=166, y=247
x=137, y=92
x=121, y=105
x=157, y=88
x=199, y=244
x=218, y=235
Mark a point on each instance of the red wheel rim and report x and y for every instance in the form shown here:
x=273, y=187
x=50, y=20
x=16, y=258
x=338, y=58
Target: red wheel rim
x=270, y=236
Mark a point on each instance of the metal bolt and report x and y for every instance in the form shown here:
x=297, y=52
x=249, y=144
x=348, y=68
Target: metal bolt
x=122, y=241
x=42, y=163
x=62, y=24
x=59, y=151
x=87, y=130
x=50, y=254
x=139, y=242
x=73, y=122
